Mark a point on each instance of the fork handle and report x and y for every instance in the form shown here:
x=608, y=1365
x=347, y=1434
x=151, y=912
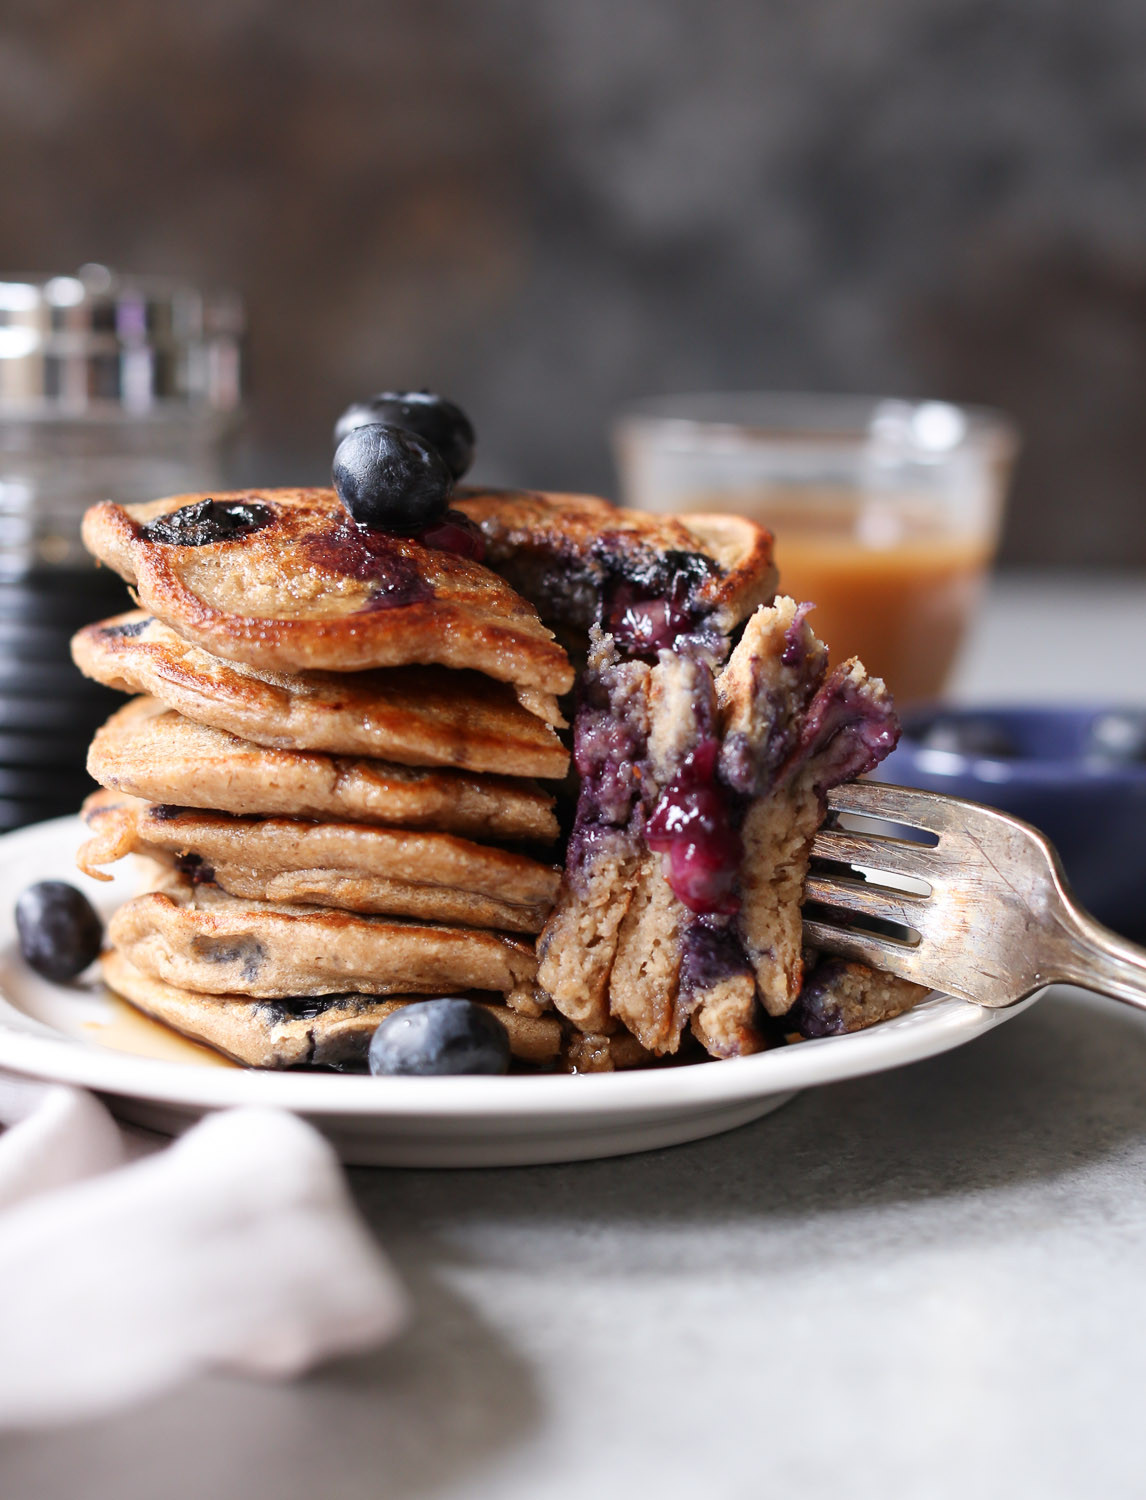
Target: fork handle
x=1097, y=959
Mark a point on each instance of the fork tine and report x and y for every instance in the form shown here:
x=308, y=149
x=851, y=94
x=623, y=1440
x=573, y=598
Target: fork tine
x=877, y=852
x=903, y=907
x=898, y=804
x=864, y=948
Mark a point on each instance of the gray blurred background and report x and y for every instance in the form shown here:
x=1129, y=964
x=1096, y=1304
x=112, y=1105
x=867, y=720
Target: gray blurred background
x=545, y=207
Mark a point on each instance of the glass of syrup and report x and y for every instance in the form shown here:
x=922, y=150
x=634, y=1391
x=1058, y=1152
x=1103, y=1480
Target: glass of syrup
x=886, y=513
x=111, y=387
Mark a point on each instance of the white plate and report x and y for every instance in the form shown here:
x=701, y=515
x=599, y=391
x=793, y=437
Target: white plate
x=80, y=1035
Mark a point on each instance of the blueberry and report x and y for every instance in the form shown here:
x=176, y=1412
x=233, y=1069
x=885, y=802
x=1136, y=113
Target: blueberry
x=455, y=533
x=390, y=479
x=208, y=521
x=443, y=425
x=59, y=931
x=644, y=627
x=694, y=826
x=437, y=1037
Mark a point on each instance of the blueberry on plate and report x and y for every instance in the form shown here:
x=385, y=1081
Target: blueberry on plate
x=60, y=933
x=442, y=424
x=436, y=1038
x=390, y=479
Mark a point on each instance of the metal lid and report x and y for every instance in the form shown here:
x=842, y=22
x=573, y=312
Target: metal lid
x=83, y=344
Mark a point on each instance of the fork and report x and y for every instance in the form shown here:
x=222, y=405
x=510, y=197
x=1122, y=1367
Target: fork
x=997, y=922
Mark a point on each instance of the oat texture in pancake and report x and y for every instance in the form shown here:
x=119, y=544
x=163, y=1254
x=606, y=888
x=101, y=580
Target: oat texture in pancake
x=334, y=1030
x=148, y=750
x=423, y=716
x=197, y=937
x=435, y=877
x=603, y=856
x=793, y=729
x=285, y=580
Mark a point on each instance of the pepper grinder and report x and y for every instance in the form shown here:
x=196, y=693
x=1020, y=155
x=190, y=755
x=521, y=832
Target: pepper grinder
x=111, y=387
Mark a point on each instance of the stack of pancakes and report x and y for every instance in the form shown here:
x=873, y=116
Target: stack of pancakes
x=336, y=771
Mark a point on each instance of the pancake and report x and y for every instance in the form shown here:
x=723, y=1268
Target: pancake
x=840, y=996
x=590, y=1052
x=421, y=716
x=576, y=557
x=746, y=749
x=198, y=937
x=602, y=859
x=150, y=751
x=332, y=1030
x=435, y=877
x=792, y=730
x=284, y=580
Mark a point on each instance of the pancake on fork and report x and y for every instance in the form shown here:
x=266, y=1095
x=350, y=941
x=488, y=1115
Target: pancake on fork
x=286, y=581
x=421, y=716
x=702, y=926
x=435, y=877
x=148, y=750
x=329, y=1030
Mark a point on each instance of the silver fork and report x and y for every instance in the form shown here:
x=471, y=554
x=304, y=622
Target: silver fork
x=998, y=921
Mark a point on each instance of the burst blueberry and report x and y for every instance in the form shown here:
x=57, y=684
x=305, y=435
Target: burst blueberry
x=390, y=479
x=455, y=533
x=208, y=521
x=693, y=826
x=59, y=931
x=431, y=417
x=435, y=1038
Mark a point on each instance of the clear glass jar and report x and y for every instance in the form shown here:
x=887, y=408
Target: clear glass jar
x=886, y=513
x=111, y=387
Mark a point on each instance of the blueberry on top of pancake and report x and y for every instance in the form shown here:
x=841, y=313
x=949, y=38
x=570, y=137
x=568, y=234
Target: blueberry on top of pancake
x=286, y=580
x=389, y=479
x=432, y=417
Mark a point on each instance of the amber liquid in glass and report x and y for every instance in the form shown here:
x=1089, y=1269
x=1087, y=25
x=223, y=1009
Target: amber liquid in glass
x=890, y=583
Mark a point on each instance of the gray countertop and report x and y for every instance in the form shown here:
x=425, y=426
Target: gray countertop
x=926, y=1283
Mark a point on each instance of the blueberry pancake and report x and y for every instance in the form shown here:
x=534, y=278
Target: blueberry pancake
x=285, y=580
x=792, y=730
x=331, y=1030
x=645, y=579
x=840, y=996
x=353, y=684
x=435, y=877
x=148, y=750
x=421, y=716
x=197, y=937
x=701, y=788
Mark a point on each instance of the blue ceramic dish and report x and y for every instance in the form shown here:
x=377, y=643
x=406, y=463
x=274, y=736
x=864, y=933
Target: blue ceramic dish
x=1079, y=774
